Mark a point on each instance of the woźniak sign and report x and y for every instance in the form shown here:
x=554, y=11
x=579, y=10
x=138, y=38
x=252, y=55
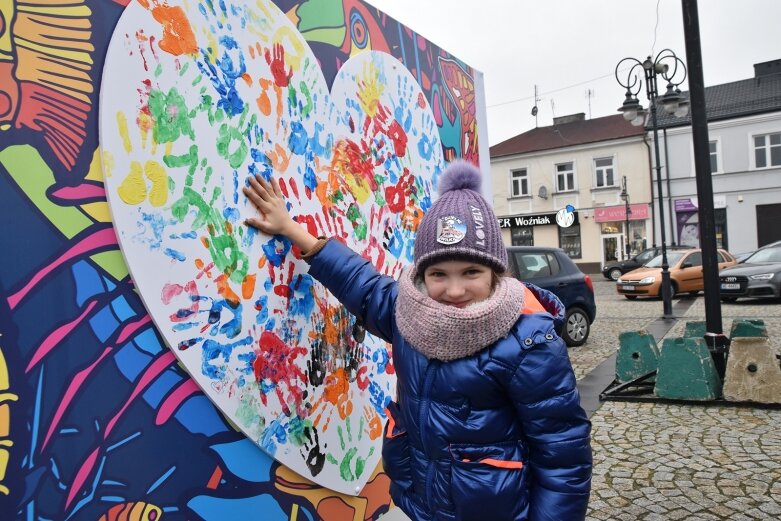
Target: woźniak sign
x=542, y=219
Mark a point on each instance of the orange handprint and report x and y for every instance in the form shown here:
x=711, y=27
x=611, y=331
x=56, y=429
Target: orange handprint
x=374, y=427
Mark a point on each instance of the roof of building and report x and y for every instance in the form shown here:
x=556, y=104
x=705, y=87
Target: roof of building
x=730, y=100
x=568, y=134
x=757, y=95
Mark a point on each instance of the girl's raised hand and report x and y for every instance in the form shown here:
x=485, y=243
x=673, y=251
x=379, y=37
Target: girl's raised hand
x=268, y=199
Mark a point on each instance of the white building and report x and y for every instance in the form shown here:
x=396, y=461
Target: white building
x=744, y=128
x=580, y=164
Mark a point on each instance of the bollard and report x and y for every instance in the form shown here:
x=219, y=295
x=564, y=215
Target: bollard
x=748, y=327
x=695, y=329
x=638, y=355
x=686, y=371
x=753, y=373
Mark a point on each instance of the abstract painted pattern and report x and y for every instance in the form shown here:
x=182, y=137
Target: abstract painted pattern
x=98, y=420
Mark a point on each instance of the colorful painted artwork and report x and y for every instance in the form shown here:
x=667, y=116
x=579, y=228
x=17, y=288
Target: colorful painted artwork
x=203, y=96
x=98, y=419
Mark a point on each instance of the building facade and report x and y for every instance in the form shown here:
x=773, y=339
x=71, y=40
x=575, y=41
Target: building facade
x=597, y=170
x=744, y=132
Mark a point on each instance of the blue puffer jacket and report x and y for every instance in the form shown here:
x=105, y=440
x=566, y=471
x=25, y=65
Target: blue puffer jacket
x=499, y=435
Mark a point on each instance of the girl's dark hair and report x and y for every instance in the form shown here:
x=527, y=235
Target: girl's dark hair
x=496, y=277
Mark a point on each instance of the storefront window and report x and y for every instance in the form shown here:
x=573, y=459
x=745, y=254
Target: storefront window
x=522, y=236
x=569, y=241
x=636, y=237
x=720, y=219
x=637, y=242
x=689, y=228
x=610, y=228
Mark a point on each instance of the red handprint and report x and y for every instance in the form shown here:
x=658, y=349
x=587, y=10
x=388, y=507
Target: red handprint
x=277, y=64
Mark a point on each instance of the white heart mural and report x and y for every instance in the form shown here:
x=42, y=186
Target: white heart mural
x=195, y=98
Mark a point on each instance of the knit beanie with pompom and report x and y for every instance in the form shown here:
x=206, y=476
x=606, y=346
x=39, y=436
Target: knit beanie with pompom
x=460, y=225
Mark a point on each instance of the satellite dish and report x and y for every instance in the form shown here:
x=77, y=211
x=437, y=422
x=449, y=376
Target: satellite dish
x=543, y=192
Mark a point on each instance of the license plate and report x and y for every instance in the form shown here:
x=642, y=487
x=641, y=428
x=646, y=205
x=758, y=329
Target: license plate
x=628, y=288
x=730, y=286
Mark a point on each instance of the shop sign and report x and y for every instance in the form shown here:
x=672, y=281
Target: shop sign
x=685, y=205
x=689, y=204
x=618, y=213
x=518, y=221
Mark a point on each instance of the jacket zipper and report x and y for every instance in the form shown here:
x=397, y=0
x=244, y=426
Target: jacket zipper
x=424, y=407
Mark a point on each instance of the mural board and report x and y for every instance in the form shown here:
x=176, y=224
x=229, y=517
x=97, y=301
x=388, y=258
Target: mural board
x=203, y=96
x=98, y=420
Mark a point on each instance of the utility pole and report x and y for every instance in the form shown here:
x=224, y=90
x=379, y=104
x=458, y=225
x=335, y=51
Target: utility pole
x=714, y=336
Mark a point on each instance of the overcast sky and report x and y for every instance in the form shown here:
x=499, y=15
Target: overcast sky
x=570, y=47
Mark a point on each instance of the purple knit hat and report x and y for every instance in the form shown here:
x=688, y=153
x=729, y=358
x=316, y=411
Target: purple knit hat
x=460, y=224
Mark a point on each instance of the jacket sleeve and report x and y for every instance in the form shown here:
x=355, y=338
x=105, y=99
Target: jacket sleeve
x=356, y=283
x=557, y=433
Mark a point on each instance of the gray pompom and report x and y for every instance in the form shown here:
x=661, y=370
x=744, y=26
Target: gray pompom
x=460, y=175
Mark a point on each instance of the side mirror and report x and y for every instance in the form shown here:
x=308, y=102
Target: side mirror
x=686, y=265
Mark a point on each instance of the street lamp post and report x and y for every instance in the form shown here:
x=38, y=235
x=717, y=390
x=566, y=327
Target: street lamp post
x=627, y=213
x=669, y=67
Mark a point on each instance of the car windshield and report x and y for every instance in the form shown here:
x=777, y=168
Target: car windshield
x=672, y=258
x=642, y=258
x=765, y=255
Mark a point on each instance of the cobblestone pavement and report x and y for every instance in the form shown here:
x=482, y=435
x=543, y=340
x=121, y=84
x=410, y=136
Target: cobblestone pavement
x=661, y=462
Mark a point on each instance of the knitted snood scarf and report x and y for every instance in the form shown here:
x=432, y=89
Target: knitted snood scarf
x=446, y=332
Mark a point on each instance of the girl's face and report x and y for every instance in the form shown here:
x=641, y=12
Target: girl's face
x=458, y=283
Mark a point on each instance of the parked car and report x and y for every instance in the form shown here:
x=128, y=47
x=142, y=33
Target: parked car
x=741, y=257
x=614, y=269
x=685, y=267
x=759, y=276
x=551, y=269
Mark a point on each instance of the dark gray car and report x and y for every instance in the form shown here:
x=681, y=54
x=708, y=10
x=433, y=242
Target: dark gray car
x=551, y=269
x=759, y=276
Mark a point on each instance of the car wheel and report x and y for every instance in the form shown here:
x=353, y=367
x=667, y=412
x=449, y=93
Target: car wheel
x=673, y=289
x=576, y=327
x=729, y=299
x=615, y=273
x=630, y=297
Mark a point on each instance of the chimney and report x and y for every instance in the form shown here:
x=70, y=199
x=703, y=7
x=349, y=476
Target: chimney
x=580, y=116
x=767, y=68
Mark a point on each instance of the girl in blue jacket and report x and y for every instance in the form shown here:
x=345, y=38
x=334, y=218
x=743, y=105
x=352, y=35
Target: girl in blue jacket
x=487, y=423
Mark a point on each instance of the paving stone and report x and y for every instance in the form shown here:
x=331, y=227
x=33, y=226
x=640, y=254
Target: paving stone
x=771, y=508
x=657, y=508
x=679, y=514
x=723, y=511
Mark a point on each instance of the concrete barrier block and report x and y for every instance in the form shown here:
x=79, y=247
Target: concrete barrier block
x=748, y=327
x=753, y=372
x=686, y=371
x=637, y=355
x=695, y=329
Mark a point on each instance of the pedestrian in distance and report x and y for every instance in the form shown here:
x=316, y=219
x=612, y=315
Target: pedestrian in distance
x=487, y=422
